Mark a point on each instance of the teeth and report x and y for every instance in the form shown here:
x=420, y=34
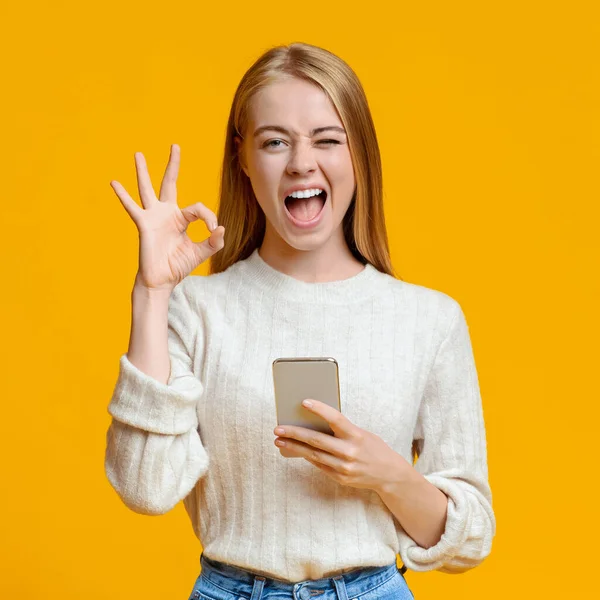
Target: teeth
x=306, y=193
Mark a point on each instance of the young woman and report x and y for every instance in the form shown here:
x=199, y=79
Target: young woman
x=299, y=266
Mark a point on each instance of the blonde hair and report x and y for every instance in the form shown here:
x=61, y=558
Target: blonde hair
x=239, y=211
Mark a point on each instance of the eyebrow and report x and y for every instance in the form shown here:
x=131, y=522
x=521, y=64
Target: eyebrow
x=286, y=132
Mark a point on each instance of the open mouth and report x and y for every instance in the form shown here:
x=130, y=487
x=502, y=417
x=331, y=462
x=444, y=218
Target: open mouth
x=306, y=209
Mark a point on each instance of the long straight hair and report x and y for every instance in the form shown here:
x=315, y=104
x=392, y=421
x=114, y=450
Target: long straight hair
x=238, y=209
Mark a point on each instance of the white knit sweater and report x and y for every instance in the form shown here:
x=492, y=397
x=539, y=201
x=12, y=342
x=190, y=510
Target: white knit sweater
x=406, y=371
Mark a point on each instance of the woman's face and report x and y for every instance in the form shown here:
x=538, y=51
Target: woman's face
x=298, y=154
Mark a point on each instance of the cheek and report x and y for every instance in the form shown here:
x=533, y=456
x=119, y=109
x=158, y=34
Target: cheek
x=268, y=166
x=340, y=169
x=260, y=174
x=265, y=176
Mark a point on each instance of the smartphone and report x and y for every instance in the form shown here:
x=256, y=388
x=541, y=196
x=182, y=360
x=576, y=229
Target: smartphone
x=295, y=379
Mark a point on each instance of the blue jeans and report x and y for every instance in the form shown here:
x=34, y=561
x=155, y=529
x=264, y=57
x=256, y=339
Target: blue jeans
x=221, y=581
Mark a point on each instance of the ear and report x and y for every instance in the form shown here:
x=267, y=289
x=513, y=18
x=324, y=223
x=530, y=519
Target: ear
x=240, y=154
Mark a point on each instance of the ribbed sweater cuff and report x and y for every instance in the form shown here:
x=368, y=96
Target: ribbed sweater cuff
x=143, y=402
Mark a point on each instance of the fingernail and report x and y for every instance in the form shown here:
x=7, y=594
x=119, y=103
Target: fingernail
x=307, y=403
x=212, y=226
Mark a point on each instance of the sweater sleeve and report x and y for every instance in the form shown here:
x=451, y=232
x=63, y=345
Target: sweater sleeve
x=154, y=455
x=451, y=443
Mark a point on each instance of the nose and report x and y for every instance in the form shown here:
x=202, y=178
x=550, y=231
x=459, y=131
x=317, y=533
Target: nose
x=302, y=159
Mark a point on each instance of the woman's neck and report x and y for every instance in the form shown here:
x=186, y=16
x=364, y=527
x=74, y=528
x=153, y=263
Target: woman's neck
x=339, y=289
x=332, y=261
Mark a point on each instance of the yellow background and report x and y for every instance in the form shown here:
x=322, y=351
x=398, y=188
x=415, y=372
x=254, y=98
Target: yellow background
x=488, y=120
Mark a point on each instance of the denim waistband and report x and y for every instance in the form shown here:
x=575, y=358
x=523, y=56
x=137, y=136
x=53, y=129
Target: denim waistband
x=243, y=582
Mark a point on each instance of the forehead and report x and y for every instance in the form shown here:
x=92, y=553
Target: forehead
x=293, y=103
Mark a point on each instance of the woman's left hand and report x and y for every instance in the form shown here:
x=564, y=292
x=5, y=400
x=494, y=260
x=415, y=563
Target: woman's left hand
x=353, y=456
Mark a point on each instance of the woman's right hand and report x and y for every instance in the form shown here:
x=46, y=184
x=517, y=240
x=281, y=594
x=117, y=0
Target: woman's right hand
x=167, y=255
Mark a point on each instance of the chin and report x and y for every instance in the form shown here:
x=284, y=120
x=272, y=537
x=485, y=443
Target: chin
x=307, y=243
x=304, y=245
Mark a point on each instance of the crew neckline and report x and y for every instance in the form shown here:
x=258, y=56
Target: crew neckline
x=342, y=291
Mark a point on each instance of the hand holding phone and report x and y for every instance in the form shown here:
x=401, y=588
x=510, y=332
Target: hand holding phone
x=296, y=379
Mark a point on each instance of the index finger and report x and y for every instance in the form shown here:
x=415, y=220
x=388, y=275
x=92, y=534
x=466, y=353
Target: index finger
x=337, y=421
x=317, y=439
